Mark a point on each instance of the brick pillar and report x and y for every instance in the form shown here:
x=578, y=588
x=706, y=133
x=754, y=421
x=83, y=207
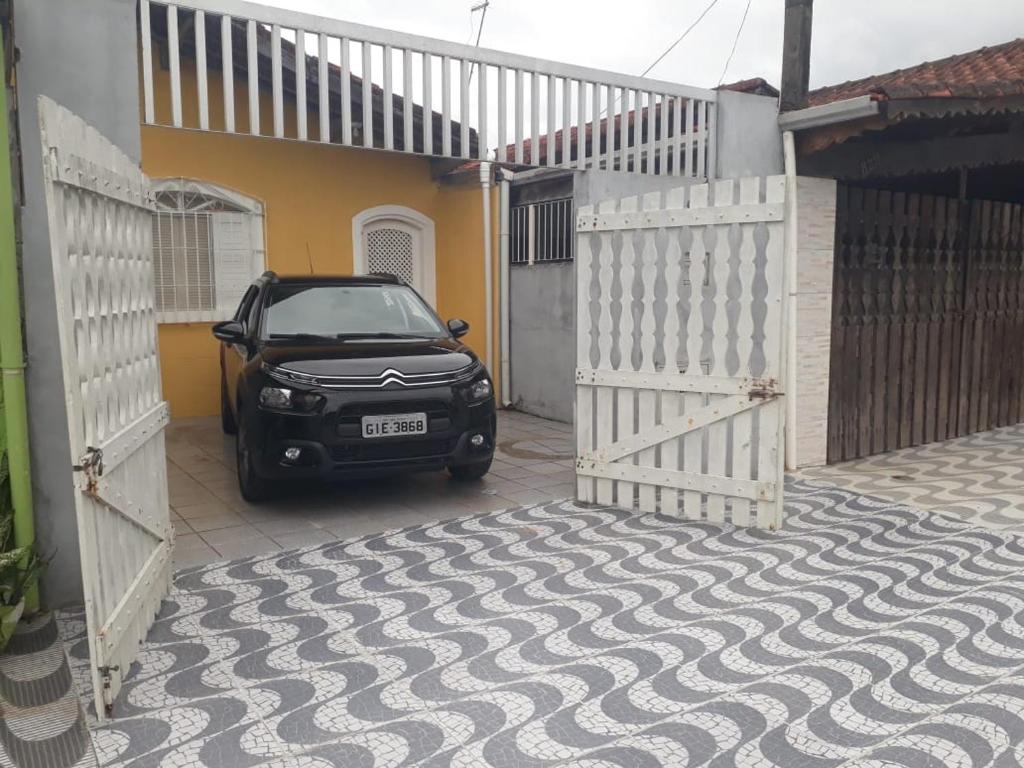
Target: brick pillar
x=816, y=224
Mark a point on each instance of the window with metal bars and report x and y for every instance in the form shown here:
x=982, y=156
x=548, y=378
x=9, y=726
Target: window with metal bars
x=207, y=248
x=542, y=232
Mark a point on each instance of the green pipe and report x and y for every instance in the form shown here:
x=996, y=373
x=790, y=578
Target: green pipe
x=12, y=356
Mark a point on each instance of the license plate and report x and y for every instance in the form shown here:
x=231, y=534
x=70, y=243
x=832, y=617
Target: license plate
x=395, y=425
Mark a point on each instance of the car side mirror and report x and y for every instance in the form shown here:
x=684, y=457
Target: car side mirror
x=458, y=328
x=230, y=331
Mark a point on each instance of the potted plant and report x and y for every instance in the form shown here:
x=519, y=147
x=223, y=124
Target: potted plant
x=19, y=567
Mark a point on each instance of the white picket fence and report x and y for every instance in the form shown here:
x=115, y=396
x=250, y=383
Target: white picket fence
x=519, y=109
x=680, y=352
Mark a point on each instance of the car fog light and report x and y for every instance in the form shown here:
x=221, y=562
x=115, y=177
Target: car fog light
x=476, y=441
x=292, y=454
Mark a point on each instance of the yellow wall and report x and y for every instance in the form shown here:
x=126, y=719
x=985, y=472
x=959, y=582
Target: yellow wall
x=310, y=194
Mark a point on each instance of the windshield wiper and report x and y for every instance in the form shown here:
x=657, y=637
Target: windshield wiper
x=303, y=336
x=380, y=335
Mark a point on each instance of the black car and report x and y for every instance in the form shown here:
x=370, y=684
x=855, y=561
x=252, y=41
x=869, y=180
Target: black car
x=331, y=377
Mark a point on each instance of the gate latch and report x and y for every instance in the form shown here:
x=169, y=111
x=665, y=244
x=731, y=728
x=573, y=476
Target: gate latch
x=92, y=465
x=762, y=389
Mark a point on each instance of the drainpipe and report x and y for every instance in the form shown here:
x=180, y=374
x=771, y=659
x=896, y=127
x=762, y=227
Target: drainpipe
x=789, y=163
x=12, y=357
x=503, y=287
x=485, y=190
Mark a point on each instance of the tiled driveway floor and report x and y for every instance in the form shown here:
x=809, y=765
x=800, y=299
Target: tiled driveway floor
x=212, y=521
x=978, y=478
x=863, y=634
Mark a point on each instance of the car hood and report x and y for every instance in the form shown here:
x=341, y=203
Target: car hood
x=369, y=357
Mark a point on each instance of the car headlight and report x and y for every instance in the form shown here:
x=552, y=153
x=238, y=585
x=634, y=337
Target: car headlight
x=276, y=397
x=283, y=399
x=479, y=390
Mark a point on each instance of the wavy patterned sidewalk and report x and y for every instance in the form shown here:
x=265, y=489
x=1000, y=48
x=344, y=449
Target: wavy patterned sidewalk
x=864, y=634
x=978, y=478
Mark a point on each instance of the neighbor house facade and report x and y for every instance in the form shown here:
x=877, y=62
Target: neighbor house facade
x=232, y=205
x=915, y=332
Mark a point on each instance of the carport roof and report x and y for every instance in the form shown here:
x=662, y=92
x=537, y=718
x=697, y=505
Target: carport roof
x=991, y=72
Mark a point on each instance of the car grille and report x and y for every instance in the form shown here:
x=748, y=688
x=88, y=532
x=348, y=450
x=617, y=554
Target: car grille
x=389, y=379
x=405, y=449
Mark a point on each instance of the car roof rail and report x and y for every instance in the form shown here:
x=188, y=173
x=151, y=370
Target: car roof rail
x=388, y=275
x=270, y=276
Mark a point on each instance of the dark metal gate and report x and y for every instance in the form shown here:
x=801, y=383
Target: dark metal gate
x=928, y=320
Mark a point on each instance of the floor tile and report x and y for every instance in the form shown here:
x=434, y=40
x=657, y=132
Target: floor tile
x=304, y=538
x=215, y=522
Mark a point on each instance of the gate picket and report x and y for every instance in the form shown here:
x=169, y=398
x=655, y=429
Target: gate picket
x=743, y=422
x=671, y=402
x=770, y=453
x=625, y=398
x=584, y=396
x=692, y=443
x=720, y=268
x=711, y=429
x=605, y=395
x=647, y=398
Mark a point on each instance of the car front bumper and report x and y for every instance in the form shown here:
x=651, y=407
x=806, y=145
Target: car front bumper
x=331, y=444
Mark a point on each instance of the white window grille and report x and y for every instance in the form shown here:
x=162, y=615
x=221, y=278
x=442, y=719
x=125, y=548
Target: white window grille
x=207, y=249
x=399, y=241
x=389, y=249
x=542, y=232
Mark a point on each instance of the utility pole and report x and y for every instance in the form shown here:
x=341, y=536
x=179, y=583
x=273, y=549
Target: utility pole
x=796, y=55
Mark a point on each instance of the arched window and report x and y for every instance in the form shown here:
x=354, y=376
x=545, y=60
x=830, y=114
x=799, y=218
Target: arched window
x=207, y=249
x=396, y=240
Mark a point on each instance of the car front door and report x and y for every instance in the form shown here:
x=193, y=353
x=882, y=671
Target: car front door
x=234, y=356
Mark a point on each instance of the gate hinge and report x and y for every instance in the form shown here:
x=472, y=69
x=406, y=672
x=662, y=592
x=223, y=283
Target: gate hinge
x=105, y=678
x=763, y=389
x=92, y=465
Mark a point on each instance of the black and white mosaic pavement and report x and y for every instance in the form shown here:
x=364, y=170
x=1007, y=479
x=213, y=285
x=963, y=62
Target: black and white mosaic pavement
x=864, y=634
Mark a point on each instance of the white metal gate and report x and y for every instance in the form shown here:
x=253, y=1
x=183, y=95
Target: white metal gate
x=100, y=207
x=680, y=352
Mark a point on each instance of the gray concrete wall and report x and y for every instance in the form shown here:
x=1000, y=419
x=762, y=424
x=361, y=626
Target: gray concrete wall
x=749, y=142
x=542, y=311
x=542, y=345
x=84, y=56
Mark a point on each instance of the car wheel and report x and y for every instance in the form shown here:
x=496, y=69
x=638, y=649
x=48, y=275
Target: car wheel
x=252, y=487
x=227, y=418
x=464, y=472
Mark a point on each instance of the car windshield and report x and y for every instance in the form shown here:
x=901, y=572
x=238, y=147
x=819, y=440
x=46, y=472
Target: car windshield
x=348, y=311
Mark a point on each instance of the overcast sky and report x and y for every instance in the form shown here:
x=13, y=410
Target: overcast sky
x=852, y=38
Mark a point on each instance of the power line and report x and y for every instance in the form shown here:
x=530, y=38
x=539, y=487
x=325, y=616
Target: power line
x=668, y=50
x=679, y=39
x=735, y=40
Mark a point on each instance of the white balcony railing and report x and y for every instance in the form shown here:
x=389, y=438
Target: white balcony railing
x=328, y=80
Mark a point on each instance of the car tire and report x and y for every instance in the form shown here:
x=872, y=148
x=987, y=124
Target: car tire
x=227, y=418
x=466, y=472
x=253, y=488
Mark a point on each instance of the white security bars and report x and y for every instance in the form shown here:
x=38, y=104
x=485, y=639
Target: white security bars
x=268, y=71
x=542, y=232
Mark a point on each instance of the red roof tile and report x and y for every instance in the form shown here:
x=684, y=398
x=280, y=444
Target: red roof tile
x=755, y=85
x=991, y=72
